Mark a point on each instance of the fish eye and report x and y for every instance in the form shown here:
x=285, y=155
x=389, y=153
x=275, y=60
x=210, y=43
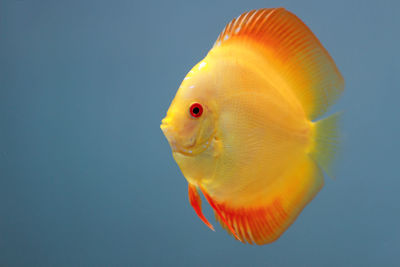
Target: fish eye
x=196, y=110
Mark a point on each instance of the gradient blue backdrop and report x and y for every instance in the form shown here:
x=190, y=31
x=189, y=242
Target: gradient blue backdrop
x=87, y=178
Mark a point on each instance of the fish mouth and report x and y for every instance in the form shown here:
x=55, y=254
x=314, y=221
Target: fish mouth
x=189, y=150
x=166, y=129
x=172, y=140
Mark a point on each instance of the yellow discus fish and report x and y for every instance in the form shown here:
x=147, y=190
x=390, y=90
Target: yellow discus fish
x=241, y=124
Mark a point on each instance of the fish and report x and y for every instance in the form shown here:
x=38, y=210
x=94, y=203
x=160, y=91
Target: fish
x=245, y=125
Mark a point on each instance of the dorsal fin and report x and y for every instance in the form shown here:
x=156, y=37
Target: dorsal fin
x=295, y=51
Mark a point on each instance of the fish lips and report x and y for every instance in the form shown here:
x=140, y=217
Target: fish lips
x=188, y=148
x=170, y=136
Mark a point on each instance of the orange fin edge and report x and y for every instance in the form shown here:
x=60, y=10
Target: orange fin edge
x=290, y=45
x=195, y=201
x=218, y=211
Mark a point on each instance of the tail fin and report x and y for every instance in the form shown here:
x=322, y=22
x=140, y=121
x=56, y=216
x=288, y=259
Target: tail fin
x=326, y=142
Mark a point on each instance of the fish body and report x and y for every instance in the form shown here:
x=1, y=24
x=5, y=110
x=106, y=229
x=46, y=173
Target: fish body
x=241, y=124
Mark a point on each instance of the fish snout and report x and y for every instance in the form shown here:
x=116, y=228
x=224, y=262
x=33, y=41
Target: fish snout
x=168, y=132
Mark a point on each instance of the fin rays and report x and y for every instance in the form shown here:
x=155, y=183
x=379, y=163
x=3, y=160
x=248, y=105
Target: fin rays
x=302, y=60
x=252, y=225
x=195, y=201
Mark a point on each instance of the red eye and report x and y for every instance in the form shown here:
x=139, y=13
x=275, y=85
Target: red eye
x=196, y=110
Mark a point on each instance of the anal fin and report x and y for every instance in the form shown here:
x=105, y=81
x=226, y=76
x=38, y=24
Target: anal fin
x=264, y=220
x=259, y=225
x=222, y=217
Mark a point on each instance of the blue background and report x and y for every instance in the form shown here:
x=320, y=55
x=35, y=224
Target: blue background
x=87, y=178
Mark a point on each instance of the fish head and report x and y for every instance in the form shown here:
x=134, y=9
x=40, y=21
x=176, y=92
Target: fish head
x=190, y=122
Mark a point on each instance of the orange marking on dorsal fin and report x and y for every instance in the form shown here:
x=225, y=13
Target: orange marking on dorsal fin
x=286, y=43
x=221, y=216
x=195, y=201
